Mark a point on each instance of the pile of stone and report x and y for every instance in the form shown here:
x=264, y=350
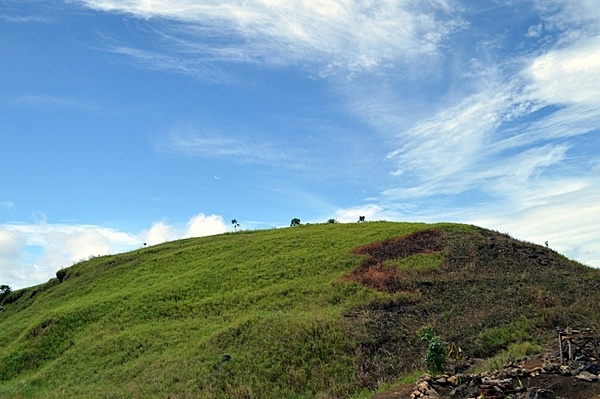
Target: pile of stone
x=509, y=382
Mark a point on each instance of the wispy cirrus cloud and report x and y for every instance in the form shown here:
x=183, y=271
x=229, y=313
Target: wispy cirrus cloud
x=569, y=17
x=167, y=61
x=17, y=19
x=526, y=118
x=334, y=37
x=50, y=101
x=241, y=148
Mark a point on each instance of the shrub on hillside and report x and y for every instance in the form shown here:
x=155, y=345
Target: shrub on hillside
x=61, y=275
x=4, y=291
x=435, y=357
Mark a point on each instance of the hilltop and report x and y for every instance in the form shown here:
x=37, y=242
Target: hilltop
x=312, y=311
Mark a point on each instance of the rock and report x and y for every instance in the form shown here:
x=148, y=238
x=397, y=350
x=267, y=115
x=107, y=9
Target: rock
x=453, y=380
x=491, y=381
x=536, y=370
x=566, y=371
x=587, y=376
x=423, y=386
x=515, y=372
x=551, y=368
x=441, y=381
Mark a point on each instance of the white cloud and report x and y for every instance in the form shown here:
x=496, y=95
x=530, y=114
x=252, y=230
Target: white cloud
x=202, y=225
x=10, y=242
x=568, y=75
x=158, y=233
x=535, y=31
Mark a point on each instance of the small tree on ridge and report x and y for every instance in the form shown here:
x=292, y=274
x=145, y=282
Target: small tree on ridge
x=4, y=291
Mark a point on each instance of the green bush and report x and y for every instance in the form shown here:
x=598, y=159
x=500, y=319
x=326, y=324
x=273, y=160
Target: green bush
x=435, y=357
x=61, y=275
x=4, y=291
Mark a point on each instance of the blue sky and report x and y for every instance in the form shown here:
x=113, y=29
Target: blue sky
x=133, y=121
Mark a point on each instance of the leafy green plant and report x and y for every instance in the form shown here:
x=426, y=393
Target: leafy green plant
x=435, y=357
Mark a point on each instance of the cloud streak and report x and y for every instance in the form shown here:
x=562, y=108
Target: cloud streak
x=50, y=101
x=188, y=142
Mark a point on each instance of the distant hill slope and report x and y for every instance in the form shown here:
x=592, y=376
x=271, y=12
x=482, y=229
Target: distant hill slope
x=313, y=311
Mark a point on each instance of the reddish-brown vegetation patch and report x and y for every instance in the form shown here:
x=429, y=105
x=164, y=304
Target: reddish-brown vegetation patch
x=372, y=272
x=424, y=241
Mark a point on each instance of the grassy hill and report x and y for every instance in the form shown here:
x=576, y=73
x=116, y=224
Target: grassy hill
x=313, y=311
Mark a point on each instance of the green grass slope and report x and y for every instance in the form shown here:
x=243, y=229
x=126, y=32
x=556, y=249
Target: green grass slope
x=315, y=311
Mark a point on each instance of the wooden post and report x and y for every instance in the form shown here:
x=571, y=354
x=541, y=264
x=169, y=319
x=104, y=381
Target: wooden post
x=560, y=347
x=570, y=350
